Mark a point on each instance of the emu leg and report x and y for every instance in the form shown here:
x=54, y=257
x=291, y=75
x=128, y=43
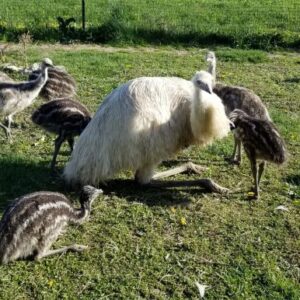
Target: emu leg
x=236, y=157
x=239, y=152
x=255, y=177
x=74, y=248
x=261, y=169
x=71, y=143
x=188, y=167
x=59, y=140
x=6, y=130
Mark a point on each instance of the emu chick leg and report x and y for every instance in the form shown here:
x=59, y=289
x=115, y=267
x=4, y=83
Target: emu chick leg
x=71, y=143
x=59, y=140
x=261, y=168
x=236, y=157
x=255, y=176
x=6, y=130
x=75, y=248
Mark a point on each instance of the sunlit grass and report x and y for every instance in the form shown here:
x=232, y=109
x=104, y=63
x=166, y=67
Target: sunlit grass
x=155, y=244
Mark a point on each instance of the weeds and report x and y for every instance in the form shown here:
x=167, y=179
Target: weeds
x=25, y=40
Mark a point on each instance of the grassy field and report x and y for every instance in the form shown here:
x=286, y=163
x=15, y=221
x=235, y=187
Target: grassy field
x=247, y=24
x=155, y=244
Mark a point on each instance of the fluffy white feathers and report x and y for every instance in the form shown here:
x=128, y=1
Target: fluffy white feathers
x=141, y=123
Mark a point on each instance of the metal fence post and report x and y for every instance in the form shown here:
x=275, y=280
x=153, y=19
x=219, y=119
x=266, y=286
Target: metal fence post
x=83, y=14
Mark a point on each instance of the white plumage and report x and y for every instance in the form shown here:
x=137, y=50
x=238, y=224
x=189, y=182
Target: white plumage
x=143, y=122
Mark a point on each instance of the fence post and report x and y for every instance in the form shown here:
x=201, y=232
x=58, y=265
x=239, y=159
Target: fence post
x=83, y=14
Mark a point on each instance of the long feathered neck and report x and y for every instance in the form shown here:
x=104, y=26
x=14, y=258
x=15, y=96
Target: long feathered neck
x=28, y=86
x=198, y=114
x=88, y=195
x=81, y=214
x=42, y=79
x=212, y=64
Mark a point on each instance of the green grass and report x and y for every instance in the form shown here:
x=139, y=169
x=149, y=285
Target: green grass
x=138, y=247
x=246, y=24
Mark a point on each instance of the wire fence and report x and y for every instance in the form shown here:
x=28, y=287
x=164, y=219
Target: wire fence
x=243, y=23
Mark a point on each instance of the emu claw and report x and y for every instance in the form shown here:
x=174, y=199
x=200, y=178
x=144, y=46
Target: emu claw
x=233, y=161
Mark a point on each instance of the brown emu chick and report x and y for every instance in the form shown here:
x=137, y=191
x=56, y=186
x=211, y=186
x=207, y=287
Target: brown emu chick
x=237, y=97
x=32, y=223
x=261, y=141
x=60, y=83
x=66, y=117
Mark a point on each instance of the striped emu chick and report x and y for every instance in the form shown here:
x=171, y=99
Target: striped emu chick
x=261, y=141
x=32, y=223
x=16, y=96
x=236, y=97
x=60, y=83
x=67, y=118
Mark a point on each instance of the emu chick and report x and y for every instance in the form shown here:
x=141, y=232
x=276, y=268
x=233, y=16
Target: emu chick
x=236, y=97
x=60, y=84
x=67, y=118
x=32, y=223
x=261, y=141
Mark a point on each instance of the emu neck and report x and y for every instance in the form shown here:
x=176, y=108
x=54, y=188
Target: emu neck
x=83, y=213
x=198, y=112
x=212, y=70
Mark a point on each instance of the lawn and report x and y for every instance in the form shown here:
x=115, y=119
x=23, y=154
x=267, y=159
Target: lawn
x=247, y=24
x=147, y=243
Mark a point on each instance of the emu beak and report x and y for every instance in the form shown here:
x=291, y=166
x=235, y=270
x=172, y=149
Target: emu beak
x=231, y=125
x=203, y=86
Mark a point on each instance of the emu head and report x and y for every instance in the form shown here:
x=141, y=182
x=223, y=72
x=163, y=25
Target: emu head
x=235, y=117
x=210, y=57
x=46, y=62
x=88, y=195
x=204, y=81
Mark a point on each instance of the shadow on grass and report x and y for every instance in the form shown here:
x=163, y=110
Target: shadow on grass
x=168, y=195
x=293, y=179
x=292, y=80
x=114, y=31
x=19, y=177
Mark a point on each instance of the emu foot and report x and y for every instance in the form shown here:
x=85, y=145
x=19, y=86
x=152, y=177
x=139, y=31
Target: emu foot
x=233, y=161
x=253, y=194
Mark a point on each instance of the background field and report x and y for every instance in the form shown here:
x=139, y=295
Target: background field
x=139, y=248
x=247, y=24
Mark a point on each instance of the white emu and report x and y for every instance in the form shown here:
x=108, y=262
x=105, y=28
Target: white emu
x=145, y=121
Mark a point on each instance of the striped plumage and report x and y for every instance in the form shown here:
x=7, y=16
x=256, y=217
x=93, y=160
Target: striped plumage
x=32, y=223
x=67, y=118
x=237, y=97
x=60, y=84
x=261, y=141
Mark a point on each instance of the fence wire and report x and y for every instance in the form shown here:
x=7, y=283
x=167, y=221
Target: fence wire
x=231, y=21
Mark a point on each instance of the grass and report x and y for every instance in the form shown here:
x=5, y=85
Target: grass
x=139, y=248
x=242, y=24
